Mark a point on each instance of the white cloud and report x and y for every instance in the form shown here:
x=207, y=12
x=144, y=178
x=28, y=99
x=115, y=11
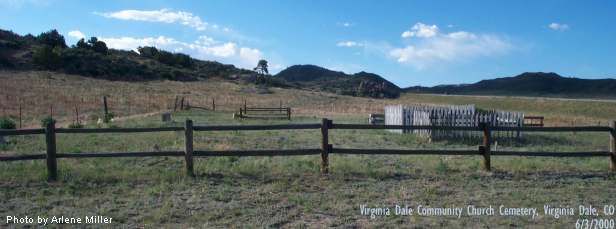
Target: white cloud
x=348, y=44
x=204, y=48
x=205, y=40
x=225, y=50
x=421, y=30
x=250, y=56
x=131, y=43
x=558, y=27
x=345, y=24
x=162, y=15
x=76, y=34
x=451, y=47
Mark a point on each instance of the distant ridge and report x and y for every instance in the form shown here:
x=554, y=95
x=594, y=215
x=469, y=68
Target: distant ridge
x=358, y=84
x=529, y=84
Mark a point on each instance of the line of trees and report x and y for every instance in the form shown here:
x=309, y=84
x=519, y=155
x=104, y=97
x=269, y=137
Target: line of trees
x=93, y=44
x=91, y=57
x=51, y=52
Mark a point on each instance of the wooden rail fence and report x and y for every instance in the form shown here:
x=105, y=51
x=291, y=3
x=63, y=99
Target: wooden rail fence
x=325, y=126
x=533, y=120
x=265, y=112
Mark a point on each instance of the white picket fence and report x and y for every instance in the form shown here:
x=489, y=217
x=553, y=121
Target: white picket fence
x=451, y=115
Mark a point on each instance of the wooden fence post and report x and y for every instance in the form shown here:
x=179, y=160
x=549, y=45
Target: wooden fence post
x=20, y=116
x=182, y=104
x=325, y=146
x=244, y=104
x=613, y=147
x=175, y=104
x=50, y=139
x=288, y=113
x=486, y=146
x=188, y=150
x=77, y=109
x=213, y=105
x=106, y=115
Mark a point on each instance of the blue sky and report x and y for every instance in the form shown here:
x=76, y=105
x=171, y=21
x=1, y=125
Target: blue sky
x=408, y=42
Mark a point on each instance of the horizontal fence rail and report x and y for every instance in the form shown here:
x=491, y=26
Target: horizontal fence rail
x=552, y=154
x=244, y=153
x=23, y=157
x=470, y=128
x=405, y=151
x=401, y=127
x=127, y=154
x=265, y=109
x=258, y=127
x=264, y=112
x=555, y=129
x=116, y=130
x=21, y=132
x=325, y=126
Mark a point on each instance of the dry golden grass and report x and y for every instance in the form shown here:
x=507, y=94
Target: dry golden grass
x=40, y=93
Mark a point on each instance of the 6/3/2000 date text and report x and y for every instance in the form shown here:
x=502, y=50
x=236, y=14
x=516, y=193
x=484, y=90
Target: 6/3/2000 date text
x=595, y=224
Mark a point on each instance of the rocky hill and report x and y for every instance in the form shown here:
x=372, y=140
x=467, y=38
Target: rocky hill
x=358, y=84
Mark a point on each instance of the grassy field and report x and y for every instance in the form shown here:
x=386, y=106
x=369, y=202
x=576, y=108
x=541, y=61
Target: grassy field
x=289, y=191
x=41, y=93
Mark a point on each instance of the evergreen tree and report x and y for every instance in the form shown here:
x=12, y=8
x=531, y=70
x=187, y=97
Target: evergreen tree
x=82, y=44
x=262, y=67
x=52, y=38
x=47, y=57
x=97, y=46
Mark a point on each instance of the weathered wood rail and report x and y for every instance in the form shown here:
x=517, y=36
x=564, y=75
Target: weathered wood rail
x=533, y=120
x=265, y=112
x=325, y=126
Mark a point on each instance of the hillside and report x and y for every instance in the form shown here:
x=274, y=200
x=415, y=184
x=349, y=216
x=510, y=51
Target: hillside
x=92, y=58
x=358, y=84
x=530, y=84
x=48, y=51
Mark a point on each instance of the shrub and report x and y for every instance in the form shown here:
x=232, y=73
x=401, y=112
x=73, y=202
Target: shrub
x=442, y=167
x=109, y=117
x=6, y=123
x=75, y=125
x=46, y=121
x=97, y=46
x=148, y=51
x=52, y=38
x=47, y=56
